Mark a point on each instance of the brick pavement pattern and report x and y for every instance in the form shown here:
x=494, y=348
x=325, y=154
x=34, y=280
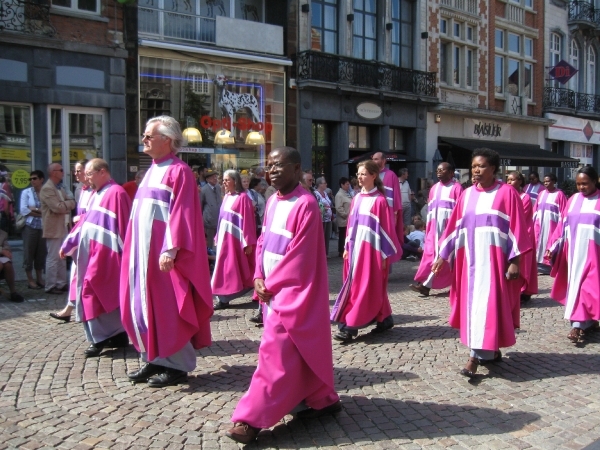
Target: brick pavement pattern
x=399, y=389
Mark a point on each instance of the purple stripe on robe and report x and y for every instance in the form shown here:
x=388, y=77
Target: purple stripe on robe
x=102, y=219
x=154, y=193
x=229, y=216
x=386, y=247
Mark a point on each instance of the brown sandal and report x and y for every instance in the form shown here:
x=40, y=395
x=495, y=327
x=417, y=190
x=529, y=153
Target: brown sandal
x=576, y=335
x=470, y=373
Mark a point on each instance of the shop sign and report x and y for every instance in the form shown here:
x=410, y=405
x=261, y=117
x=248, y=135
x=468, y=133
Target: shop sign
x=17, y=140
x=574, y=129
x=486, y=130
x=196, y=150
x=20, y=179
x=562, y=71
x=369, y=110
x=214, y=124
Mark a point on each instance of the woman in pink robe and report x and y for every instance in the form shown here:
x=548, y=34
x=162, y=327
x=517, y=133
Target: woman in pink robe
x=484, y=241
x=528, y=263
x=236, y=241
x=576, y=256
x=371, y=244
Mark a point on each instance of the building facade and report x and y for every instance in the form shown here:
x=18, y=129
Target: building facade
x=218, y=68
x=63, y=86
x=357, y=85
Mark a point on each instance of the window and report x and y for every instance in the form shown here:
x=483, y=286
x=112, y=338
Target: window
x=85, y=6
x=358, y=137
x=458, y=54
x=469, y=68
x=443, y=62
x=365, y=29
x=456, y=66
x=591, y=71
x=402, y=33
x=470, y=34
x=514, y=75
x=499, y=75
x=249, y=10
x=499, y=39
x=457, y=30
x=574, y=61
x=443, y=26
x=199, y=80
x=324, y=34
x=555, y=50
x=397, y=140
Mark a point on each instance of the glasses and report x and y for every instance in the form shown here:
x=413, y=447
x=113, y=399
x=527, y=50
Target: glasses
x=33, y=178
x=78, y=171
x=89, y=174
x=150, y=136
x=276, y=166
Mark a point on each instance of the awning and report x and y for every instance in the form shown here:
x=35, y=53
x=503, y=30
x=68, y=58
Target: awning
x=391, y=157
x=512, y=154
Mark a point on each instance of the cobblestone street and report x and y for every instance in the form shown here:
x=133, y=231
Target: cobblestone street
x=399, y=389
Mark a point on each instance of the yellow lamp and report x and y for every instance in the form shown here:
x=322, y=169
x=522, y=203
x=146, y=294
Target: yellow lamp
x=255, y=138
x=224, y=137
x=192, y=135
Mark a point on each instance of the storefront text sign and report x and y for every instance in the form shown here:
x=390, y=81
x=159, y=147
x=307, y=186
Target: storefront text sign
x=214, y=124
x=486, y=130
x=369, y=110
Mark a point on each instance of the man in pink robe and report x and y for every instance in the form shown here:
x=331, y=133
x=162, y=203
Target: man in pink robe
x=549, y=210
x=529, y=271
x=96, y=245
x=236, y=240
x=166, y=301
x=391, y=185
x=295, y=362
x=442, y=200
x=534, y=188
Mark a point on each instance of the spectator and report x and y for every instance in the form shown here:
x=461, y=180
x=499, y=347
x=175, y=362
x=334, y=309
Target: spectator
x=326, y=207
x=131, y=187
x=7, y=269
x=34, y=245
x=405, y=195
x=342, y=209
x=211, y=204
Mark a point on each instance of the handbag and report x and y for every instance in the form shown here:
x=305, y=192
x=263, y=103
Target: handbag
x=20, y=221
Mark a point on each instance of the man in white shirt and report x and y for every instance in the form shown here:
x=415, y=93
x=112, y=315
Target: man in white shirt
x=405, y=192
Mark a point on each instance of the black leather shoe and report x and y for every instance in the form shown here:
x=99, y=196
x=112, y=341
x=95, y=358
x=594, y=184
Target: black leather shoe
x=94, y=350
x=145, y=372
x=63, y=318
x=342, y=336
x=220, y=305
x=311, y=413
x=257, y=319
x=167, y=377
x=118, y=341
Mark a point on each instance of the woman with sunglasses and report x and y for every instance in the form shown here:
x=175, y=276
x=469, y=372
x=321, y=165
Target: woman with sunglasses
x=34, y=245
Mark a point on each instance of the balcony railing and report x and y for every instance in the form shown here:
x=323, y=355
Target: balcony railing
x=26, y=17
x=568, y=99
x=319, y=66
x=580, y=10
x=172, y=25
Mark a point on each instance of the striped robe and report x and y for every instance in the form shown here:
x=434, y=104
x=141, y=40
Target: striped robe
x=82, y=206
x=486, y=230
x=534, y=190
x=528, y=264
x=295, y=361
x=549, y=210
x=163, y=311
x=442, y=200
x=96, y=244
x=370, y=240
x=391, y=185
x=236, y=229
x=576, y=267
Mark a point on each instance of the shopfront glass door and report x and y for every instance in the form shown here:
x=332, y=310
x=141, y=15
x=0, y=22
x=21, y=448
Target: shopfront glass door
x=77, y=134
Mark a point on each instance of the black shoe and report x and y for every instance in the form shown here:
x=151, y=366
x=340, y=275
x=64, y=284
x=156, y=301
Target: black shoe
x=342, y=336
x=118, y=340
x=525, y=298
x=221, y=305
x=380, y=328
x=16, y=298
x=168, y=377
x=63, y=318
x=424, y=291
x=311, y=413
x=55, y=291
x=145, y=372
x=257, y=319
x=94, y=350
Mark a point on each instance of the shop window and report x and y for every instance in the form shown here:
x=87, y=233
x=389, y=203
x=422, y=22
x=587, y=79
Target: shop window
x=358, y=137
x=321, y=149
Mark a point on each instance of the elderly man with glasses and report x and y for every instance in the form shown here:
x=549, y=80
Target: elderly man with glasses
x=166, y=300
x=57, y=203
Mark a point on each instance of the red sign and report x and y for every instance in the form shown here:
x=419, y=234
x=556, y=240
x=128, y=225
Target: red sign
x=562, y=71
x=212, y=123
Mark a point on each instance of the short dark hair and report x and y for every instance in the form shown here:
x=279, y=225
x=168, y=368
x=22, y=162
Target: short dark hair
x=537, y=175
x=289, y=153
x=551, y=176
x=254, y=182
x=590, y=172
x=450, y=165
x=37, y=173
x=343, y=180
x=492, y=157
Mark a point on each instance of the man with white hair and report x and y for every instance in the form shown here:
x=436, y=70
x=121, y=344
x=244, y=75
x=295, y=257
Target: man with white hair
x=166, y=300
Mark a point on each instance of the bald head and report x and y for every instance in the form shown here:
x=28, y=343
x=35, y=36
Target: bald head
x=379, y=159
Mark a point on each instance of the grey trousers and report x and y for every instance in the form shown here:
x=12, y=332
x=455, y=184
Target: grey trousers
x=184, y=359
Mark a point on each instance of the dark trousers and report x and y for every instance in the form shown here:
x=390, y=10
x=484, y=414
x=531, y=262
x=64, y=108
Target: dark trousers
x=341, y=239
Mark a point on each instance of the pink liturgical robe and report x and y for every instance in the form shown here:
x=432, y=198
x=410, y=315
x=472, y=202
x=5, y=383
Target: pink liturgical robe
x=576, y=267
x=370, y=240
x=528, y=264
x=486, y=230
x=391, y=185
x=549, y=209
x=96, y=244
x=442, y=200
x=236, y=229
x=162, y=311
x=295, y=361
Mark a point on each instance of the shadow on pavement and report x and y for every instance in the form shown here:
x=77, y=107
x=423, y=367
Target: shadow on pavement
x=365, y=420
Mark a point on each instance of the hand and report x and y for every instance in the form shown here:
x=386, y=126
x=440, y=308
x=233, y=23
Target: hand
x=261, y=290
x=7, y=253
x=166, y=263
x=345, y=255
x=384, y=265
x=62, y=254
x=548, y=255
x=513, y=272
x=437, y=266
x=248, y=250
